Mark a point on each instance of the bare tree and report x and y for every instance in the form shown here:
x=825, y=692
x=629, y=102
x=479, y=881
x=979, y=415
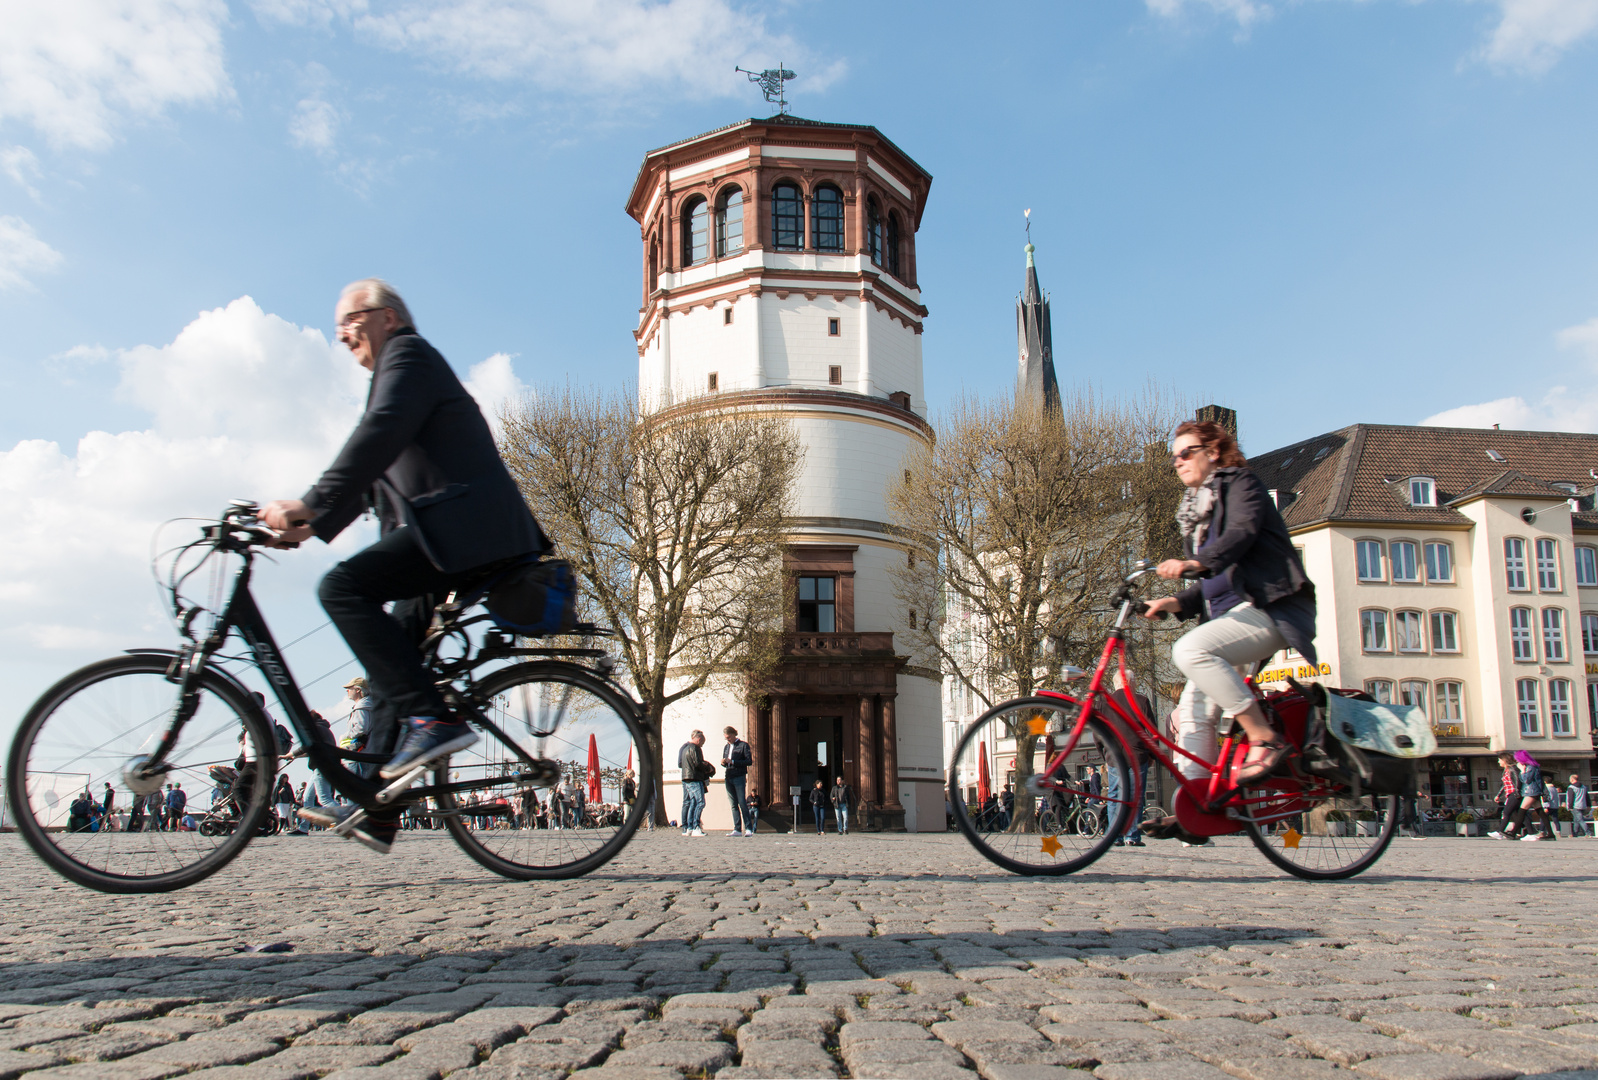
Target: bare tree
x=1029, y=517
x=675, y=523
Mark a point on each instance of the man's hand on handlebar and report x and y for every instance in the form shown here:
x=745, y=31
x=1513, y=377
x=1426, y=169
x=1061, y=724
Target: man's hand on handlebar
x=290, y=518
x=1158, y=609
x=1170, y=568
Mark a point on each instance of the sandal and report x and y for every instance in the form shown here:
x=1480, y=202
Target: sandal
x=1277, y=752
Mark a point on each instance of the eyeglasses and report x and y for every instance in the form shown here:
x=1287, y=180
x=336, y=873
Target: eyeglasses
x=1182, y=455
x=349, y=316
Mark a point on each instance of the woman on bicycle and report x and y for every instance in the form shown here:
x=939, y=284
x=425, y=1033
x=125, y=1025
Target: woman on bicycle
x=1253, y=600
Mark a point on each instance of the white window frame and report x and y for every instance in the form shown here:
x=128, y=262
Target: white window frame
x=1592, y=703
x=1410, y=548
x=1553, y=631
x=1444, y=631
x=1380, y=689
x=1373, y=627
x=1528, y=707
x=1418, y=620
x=1449, y=694
x=1422, y=491
x=1547, y=550
x=1360, y=561
x=1522, y=638
x=1589, y=633
x=1561, y=717
x=1586, y=566
x=1515, y=577
x=1415, y=692
x=1448, y=556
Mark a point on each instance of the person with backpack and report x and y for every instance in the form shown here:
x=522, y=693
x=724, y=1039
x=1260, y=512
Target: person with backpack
x=175, y=802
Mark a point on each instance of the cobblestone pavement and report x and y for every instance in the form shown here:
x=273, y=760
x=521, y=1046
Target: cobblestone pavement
x=793, y=956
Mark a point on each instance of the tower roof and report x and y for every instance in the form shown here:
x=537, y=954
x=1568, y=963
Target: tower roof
x=1035, y=380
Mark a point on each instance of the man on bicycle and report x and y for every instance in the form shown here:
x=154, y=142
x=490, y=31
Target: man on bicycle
x=423, y=458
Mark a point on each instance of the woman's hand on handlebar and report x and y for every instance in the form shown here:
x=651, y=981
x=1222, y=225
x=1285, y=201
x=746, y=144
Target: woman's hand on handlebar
x=1165, y=605
x=290, y=518
x=1171, y=568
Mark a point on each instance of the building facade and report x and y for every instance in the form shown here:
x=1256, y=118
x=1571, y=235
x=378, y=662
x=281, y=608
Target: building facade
x=779, y=274
x=1455, y=569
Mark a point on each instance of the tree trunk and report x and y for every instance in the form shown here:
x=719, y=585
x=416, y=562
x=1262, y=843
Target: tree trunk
x=653, y=712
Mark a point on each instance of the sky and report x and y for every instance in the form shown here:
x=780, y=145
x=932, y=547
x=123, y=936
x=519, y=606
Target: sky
x=1317, y=212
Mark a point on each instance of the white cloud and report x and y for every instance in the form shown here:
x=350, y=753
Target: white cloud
x=75, y=69
x=601, y=47
x=1560, y=409
x=1583, y=337
x=1532, y=35
x=494, y=384
x=23, y=254
x=22, y=165
x=314, y=125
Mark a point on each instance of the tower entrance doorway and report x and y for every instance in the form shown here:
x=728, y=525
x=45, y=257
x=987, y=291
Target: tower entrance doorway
x=818, y=749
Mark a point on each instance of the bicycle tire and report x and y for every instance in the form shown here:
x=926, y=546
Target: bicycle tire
x=110, y=703
x=1022, y=848
x=551, y=854
x=1317, y=853
x=1088, y=824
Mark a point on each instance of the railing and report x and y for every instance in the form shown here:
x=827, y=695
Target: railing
x=819, y=644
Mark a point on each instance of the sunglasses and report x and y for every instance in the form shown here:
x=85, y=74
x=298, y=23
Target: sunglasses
x=1182, y=455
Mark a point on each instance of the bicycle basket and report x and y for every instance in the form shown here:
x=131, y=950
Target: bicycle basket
x=535, y=599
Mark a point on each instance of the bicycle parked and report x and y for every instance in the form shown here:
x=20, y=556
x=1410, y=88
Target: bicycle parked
x=1289, y=816
x=154, y=715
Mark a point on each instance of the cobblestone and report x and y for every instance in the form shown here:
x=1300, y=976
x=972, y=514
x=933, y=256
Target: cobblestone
x=902, y=956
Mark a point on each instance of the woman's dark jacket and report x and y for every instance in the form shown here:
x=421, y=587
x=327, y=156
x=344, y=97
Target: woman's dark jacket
x=1531, y=782
x=1247, y=540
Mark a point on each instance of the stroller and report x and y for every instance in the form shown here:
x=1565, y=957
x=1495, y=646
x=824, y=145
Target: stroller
x=233, y=796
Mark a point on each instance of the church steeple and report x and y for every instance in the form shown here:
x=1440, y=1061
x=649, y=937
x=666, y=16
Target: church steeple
x=1035, y=381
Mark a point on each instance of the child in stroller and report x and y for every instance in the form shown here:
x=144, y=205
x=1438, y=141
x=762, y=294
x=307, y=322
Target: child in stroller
x=227, y=805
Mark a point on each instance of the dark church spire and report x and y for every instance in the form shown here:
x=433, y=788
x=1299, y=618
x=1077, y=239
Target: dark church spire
x=1035, y=380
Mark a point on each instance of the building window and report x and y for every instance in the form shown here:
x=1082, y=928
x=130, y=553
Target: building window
x=1547, y=565
x=1589, y=633
x=1528, y=706
x=1422, y=492
x=1450, y=702
x=1380, y=689
x=1405, y=567
x=1413, y=692
x=1373, y=631
x=1445, y=631
x=1592, y=705
x=1515, y=564
x=835, y=375
x=1559, y=718
x=891, y=254
x=875, y=240
x=787, y=218
x=726, y=316
x=1368, y=553
x=696, y=231
x=1520, y=643
x=730, y=223
x=1586, y=565
x=817, y=606
x=1439, y=563
x=826, y=214
x=713, y=383
x=1407, y=631
x=1554, y=635
x=834, y=327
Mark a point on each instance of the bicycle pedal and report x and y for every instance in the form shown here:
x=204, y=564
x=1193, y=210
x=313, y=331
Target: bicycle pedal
x=345, y=827
x=400, y=786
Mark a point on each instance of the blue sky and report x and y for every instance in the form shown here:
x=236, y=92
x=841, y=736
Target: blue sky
x=1318, y=212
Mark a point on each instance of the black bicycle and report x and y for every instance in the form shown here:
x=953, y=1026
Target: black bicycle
x=548, y=714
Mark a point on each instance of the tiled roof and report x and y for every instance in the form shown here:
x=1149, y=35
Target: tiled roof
x=1358, y=473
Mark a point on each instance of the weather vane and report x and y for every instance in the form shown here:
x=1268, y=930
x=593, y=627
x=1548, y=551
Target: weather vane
x=771, y=84
x=1028, y=214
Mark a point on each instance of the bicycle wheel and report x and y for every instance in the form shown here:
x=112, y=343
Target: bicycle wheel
x=1088, y=823
x=562, y=712
x=1325, y=837
x=1152, y=813
x=90, y=728
x=1021, y=730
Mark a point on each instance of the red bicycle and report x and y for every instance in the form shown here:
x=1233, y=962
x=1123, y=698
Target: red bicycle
x=1308, y=825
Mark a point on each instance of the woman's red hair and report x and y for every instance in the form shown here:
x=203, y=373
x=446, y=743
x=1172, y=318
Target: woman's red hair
x=1214, y=438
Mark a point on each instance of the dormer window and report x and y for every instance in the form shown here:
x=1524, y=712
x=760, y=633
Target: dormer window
x=1422, y=491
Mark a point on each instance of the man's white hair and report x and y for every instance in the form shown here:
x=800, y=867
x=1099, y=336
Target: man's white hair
x=380, y=294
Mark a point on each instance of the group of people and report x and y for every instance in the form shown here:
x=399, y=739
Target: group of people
x=1525, y=792
x=162, y=810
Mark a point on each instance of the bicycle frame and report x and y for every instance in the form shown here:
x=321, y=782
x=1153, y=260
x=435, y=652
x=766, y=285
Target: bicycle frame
x=1214, y=804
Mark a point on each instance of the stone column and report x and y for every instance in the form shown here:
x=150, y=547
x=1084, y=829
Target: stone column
x=760, y=734
x=779, y=752
x=890, y=754
x=868, y=751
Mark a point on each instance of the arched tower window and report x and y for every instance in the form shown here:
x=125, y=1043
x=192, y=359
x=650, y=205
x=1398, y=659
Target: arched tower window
x=730, y=223
x=875, y=240
x=826, y=214
x=696, y=231
x=787, y=218
x=654, y=267
x=891, y=261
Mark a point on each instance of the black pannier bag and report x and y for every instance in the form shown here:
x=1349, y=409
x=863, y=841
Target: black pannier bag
x=1330, y=757
x=535, y=599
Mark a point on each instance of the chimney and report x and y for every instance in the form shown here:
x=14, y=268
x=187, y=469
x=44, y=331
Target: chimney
x=1218, y=414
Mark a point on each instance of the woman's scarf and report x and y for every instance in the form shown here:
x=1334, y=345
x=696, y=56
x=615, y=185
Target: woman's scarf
x=1194, y=512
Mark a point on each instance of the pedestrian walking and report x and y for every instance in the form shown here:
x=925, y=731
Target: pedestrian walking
x=695, y=772
x=842, y=803
x=358, y=730
x=818, y=807
x=752, y=800
x=1578, y=801
x=108, y=822
x=284, y=797
x=1529, y=797
x=1508, y=789
x=1127, y=699
x=175, y=802
x=736, y=757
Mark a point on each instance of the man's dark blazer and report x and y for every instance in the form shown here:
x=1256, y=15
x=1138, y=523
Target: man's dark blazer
x=426, y=455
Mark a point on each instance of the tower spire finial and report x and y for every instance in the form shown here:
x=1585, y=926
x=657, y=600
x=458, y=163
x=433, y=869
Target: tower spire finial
x=772, y=82
x=1029, y=248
